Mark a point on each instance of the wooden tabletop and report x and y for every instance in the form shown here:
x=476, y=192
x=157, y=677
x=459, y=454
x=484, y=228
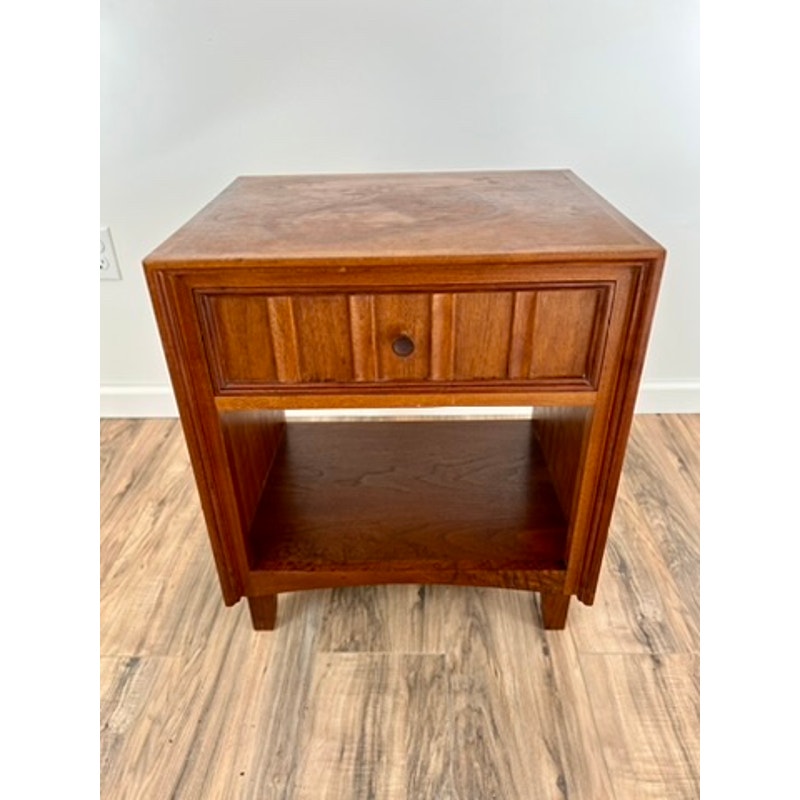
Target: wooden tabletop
x=447, y=216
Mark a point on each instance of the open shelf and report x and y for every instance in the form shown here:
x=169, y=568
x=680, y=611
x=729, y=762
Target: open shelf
x=426, y=501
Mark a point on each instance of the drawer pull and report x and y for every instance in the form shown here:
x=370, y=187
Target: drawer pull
x=403, y=346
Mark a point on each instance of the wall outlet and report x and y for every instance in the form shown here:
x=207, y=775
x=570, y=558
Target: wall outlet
x=109, y=266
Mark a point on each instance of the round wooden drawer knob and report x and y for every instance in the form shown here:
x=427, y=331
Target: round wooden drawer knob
x=403, y=346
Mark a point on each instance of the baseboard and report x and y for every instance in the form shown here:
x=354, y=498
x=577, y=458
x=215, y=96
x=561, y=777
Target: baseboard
x=657, y=397
x=137, y=401
x=669, y=397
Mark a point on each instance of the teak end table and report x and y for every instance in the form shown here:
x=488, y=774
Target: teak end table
x=406, y=291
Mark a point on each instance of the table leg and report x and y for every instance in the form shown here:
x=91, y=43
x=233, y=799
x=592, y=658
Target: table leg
x=554, y=610
x=263, y=610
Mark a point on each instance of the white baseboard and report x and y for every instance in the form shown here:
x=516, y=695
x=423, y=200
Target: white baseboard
x=669, y=397
x=137, y=401
x=657, y=397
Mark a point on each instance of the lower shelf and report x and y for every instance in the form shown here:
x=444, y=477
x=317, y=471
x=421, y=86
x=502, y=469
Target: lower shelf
x=424, y=501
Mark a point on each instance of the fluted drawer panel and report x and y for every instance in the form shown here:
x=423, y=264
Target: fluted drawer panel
x=258, y=341
x=482, y=334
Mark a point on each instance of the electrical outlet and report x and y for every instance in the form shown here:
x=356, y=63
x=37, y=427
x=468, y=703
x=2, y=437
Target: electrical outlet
x=109, y=266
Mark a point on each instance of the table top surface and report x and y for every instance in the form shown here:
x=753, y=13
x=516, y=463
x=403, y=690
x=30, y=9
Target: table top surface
x=548, y=215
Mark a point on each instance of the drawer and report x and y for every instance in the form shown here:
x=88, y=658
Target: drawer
x=260, y=341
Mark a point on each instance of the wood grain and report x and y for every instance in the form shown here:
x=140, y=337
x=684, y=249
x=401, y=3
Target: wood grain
x=410, y=692
x=403, y=315
x=218, y=761
x=153, y=533
x=355, y=502
x=482, y=335
x=283, y=331
x=323, y=338
x=363, y=336
x=383, y=618
x=519, y=705
x=376, y=730
x=647, y=710
x=263, y=341
x=424, y=215
x=443, y=354
x=563, y=333
x=252, y=440
x=562, y=432
x=237, y=334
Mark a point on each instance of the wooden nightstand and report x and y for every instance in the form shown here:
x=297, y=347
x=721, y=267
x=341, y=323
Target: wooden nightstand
x=411, y=290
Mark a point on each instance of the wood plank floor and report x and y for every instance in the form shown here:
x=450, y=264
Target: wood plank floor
x=425, y=693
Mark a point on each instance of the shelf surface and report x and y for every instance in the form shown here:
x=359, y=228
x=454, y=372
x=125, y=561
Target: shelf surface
x=421, y=501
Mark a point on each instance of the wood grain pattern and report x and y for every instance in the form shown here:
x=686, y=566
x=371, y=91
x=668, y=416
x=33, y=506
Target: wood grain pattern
x=238, y=338
x=520, y=351
x=403, y=315
x=636, y=700
x=137, y=569
x=354, y=502
x=222, y=747
x=252, y=440
x=445, y=395
x=262, y=341
x=414, y=691
x=482, y=335
x=375, y=732
x=323, y=337
x=562, y=432
x=363, y=336
x=517, y=697
x=443, y=333
x=428, y=215
x=383, y=618
x=283, y=331
x=565, y=324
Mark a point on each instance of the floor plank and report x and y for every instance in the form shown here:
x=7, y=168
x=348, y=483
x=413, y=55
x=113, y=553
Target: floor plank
x=646, y=711
x=158, y=591
x=146, y=755
x=378, y=728
x=375, y=619
x=522, y=720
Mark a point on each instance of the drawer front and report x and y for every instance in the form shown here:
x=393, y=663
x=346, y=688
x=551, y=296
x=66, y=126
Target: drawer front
x=260, y=341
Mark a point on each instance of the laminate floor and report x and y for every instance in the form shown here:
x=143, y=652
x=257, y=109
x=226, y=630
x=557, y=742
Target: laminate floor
x=425, y=693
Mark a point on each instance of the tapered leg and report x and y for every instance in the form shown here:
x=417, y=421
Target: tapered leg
x=554, y=610
x=263, y=610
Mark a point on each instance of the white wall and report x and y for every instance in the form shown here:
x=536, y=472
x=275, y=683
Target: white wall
x=197, y=92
